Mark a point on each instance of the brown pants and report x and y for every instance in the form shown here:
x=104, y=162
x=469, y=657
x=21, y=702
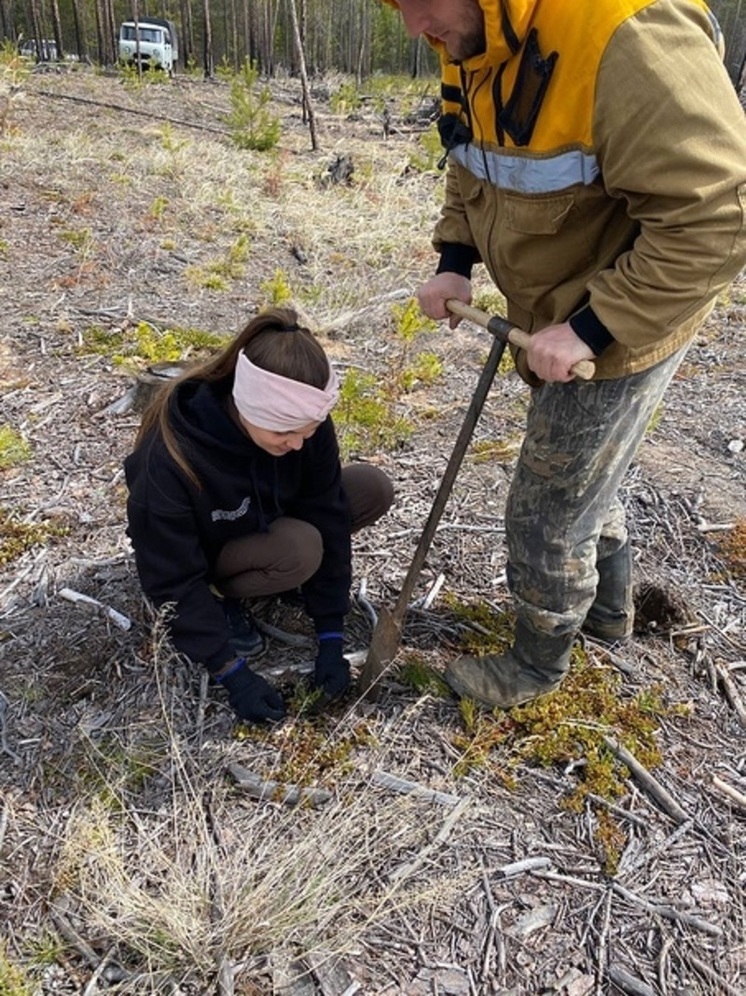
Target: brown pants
x=290, y=552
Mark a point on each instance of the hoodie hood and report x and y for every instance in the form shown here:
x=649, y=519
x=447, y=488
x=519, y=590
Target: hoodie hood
x=203, y=423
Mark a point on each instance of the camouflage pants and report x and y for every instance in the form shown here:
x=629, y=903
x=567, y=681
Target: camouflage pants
x=563, y=512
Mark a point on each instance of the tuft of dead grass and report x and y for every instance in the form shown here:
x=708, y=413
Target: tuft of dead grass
x=210, y=877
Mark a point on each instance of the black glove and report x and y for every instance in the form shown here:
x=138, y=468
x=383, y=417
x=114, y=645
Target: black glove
x=332, y=670
x=250, y=695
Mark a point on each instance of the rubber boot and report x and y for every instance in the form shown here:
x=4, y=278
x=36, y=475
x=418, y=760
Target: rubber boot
x=534, y=665
x=612, y=615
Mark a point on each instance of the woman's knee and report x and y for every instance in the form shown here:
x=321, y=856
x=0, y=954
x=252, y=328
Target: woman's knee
x=369, y=492
x=300, y=549
x=288, y=554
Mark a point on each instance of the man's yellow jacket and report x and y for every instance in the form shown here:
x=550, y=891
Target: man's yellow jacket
x=597, y=167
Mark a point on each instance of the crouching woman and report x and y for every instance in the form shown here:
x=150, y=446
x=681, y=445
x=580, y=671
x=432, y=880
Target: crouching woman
x=236, y=491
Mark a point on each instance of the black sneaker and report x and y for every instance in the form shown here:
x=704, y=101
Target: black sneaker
x=293, y=597
x=244, y=637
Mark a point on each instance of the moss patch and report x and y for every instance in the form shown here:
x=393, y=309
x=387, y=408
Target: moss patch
x=567, y=728
x=137, y=345
x=14, y=448
x=18, y=537
x=308, y=751
x=732, y=548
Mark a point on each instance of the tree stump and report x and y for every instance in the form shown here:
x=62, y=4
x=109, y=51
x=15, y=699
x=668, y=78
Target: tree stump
x=147, y=386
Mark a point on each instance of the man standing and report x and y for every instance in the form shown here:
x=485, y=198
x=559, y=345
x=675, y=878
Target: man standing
x=597, y=168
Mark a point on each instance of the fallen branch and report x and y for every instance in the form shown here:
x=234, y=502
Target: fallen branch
x=133, y=110
x=665, y=846
x=583, y=883
x=722, y=986
x=736, y=797
x=403, y=871
x=4, y=747
x=427, y=600
x=715, y=527
x=628, y=983
x=226, y=976
x=100, y=974
x=611, y=657
x=69, y=934
x=602, y=943
x=651, y=785
x=405, y=787
x=521, y=867
x=612, y=807
x=288, y=795
x=291, y=639
x=79, y=598
x=718, y=629
x=668, y=912
x=731, y=691
x=460, y=526
x=659, y=909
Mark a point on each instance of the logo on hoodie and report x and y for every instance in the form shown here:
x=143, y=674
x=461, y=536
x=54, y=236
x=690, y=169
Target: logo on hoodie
x=230, y=514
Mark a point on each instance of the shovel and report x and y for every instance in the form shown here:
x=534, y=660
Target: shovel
x=386, y=637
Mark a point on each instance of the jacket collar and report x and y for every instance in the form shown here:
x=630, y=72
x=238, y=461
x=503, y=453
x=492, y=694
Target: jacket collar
x=506, y=25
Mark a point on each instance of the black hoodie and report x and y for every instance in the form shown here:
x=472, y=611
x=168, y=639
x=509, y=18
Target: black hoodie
x=178, y=529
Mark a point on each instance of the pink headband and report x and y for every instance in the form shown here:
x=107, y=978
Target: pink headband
x=277, y=403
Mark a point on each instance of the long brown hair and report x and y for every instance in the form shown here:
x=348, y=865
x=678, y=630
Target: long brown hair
x=274, y=341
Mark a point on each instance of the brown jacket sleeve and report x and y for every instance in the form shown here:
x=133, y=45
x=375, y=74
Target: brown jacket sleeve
x=671, y=142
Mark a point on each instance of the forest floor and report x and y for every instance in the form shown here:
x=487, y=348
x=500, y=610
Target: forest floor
x=436, y=850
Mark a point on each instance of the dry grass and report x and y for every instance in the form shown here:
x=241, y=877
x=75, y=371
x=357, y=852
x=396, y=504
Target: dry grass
x=210, y=877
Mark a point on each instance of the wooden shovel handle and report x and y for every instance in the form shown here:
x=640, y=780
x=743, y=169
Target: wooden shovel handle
x=584, y=369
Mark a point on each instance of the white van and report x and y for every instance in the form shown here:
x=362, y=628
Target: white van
x=152, y=42
x=48, y=50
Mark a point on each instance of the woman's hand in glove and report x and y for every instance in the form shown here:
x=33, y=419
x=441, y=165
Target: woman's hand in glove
x=250, y=695
x=331, y=672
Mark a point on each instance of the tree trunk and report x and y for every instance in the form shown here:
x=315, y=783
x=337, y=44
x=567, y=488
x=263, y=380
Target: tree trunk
x=303, y=17
x=235, y=46
x=187, y=32
x=363, y=61
x=57, y=29
x=208, y=57
x=417, y=58
x=138, y=55
x=247, y=33
x=81, y=40
x=38, y=29
x=111, y=34
x=308, y=106
x=272, y=31
x=100, y=32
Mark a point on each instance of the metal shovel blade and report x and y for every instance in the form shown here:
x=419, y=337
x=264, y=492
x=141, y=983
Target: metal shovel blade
x=384, y=643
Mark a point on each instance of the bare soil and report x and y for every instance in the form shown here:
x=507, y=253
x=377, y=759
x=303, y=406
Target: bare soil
x=109, y=198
